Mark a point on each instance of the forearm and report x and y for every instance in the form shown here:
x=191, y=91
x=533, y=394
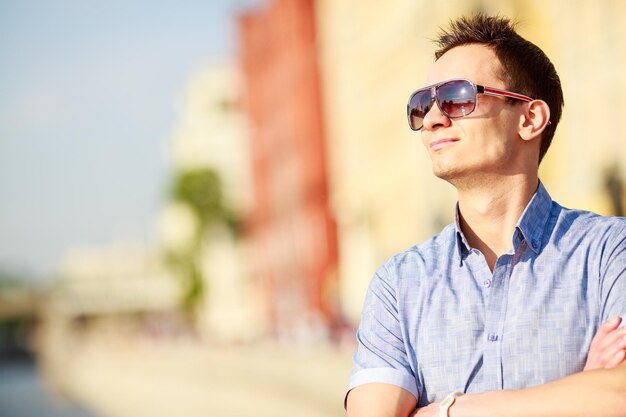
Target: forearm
x=380, y=400
x=592, y=393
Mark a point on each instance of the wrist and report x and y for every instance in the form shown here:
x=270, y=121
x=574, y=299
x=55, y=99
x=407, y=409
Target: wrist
x=485, y=404
x=448, y=402
x=460, y=408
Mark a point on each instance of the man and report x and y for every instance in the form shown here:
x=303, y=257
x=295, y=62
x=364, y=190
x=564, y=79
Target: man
x=506, y=305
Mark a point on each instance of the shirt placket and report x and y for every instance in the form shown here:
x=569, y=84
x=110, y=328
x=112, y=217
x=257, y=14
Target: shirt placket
x=497, y=287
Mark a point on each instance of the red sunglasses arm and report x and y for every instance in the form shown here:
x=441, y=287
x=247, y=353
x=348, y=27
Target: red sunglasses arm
x=503, y=93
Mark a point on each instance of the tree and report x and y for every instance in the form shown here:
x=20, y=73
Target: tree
x=201, y=190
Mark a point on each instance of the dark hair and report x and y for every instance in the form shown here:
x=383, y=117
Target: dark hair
x=525, y=68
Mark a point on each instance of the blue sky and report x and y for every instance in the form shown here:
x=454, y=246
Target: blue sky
x=88, y=95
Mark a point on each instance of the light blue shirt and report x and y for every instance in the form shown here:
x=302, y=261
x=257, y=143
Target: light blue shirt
x=436, y=319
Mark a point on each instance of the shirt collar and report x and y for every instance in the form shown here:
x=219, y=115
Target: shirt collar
x=533, y=220
x=529, y=227
x=461, y=243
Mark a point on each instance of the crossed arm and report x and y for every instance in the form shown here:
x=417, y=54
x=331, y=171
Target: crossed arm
x=599, y=390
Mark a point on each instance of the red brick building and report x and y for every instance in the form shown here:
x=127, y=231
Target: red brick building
x=291, y=229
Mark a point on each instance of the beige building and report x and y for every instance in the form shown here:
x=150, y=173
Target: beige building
x=210, y=132
x=119, y=279
x=374, y=54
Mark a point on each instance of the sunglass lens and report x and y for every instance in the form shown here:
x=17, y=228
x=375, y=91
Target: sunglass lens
x=456, y=98
x=419, y=104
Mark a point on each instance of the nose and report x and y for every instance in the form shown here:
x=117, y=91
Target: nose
x=435, y=118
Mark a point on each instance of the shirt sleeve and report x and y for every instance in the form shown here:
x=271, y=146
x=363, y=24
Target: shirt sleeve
x=381, y=354
x=613, y=277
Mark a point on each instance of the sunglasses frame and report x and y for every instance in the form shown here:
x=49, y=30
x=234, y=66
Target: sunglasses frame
x=478, y=89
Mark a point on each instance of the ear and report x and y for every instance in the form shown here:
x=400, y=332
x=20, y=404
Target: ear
x=534, y=120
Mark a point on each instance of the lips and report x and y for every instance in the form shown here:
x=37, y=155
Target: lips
x=441, y=143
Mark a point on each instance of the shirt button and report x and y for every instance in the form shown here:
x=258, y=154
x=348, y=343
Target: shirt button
x=492, y=337
x=487, y=283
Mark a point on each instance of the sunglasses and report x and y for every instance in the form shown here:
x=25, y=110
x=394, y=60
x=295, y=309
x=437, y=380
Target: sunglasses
x=455, y=98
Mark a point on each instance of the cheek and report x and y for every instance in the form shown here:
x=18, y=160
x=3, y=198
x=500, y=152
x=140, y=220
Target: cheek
x=424, y=139
x=493, y=136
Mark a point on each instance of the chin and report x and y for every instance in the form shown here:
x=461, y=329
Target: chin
x=456, y=176
x=446, y=173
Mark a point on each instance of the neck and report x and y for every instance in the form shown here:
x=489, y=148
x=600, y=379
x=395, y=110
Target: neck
x=488, y=215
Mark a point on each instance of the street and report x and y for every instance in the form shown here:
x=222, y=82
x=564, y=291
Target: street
x=191, y=380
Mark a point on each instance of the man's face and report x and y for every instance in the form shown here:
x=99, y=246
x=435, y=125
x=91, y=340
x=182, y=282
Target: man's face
x=483, y=143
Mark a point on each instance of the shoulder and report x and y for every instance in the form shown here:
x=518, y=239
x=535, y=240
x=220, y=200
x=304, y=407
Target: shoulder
x=591, y=226
x=587, y=235
x=420, y=259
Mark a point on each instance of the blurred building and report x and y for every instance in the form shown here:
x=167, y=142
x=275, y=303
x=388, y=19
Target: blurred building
x=211, y=130
x=114, y=280
x=290, y=228
x=584, y=40
x=210, y=133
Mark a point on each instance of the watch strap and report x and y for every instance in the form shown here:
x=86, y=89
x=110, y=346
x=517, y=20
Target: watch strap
x=447, y=402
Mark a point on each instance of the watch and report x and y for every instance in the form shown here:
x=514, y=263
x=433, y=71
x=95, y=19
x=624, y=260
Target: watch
x=447, y=403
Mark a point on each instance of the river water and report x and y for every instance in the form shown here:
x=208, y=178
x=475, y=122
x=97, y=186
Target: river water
x=23, y=394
